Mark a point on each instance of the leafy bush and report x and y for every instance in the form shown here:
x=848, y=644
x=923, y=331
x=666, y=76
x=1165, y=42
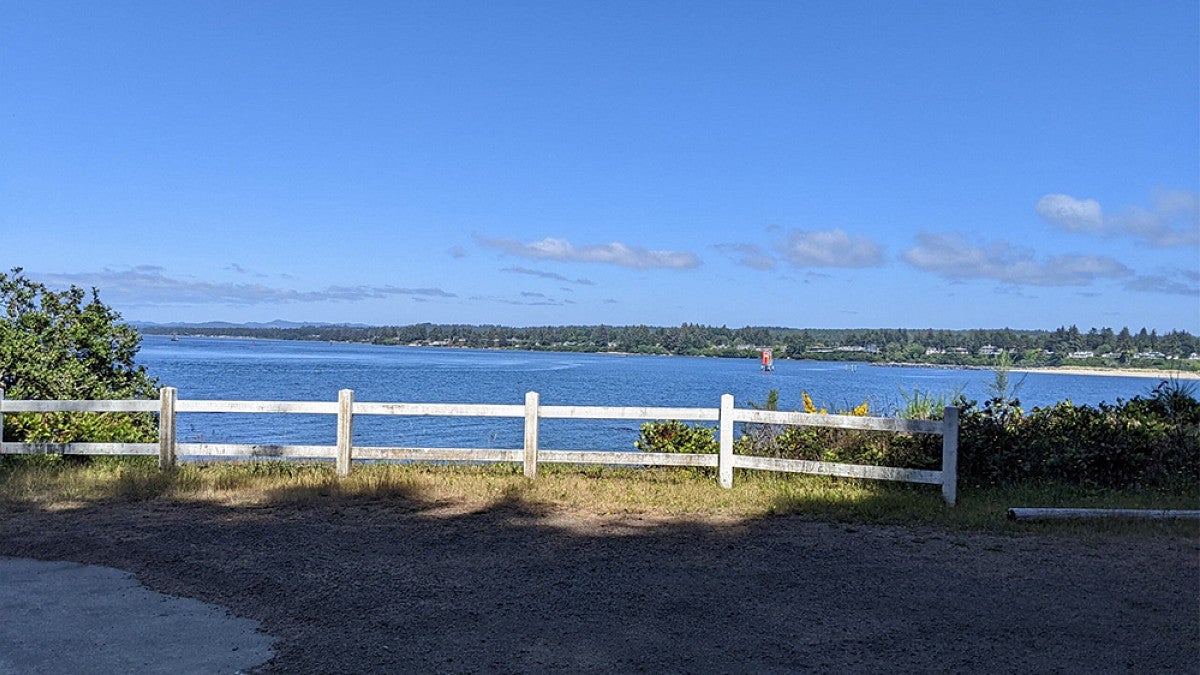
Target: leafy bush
x=799, y=442
x=675, y=436
x=67, y=345
x=1144, y=442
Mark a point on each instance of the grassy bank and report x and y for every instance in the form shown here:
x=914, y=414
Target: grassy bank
x=594, y=490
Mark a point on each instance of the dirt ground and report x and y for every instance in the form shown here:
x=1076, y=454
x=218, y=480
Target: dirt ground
x=399, y=586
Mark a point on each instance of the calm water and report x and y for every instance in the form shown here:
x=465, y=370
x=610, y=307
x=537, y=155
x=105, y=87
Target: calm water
x=234, y=369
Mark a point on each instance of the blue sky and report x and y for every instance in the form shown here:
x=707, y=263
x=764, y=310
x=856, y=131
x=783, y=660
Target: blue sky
x=807, y=164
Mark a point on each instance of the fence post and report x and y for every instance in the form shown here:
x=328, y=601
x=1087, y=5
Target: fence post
x=1, y=420
x=345, y=430
x=725, y=455
x=166, y=427
x=950, y=455
x=531, y=434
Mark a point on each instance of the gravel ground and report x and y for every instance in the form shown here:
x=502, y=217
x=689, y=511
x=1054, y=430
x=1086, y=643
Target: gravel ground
x=397, y=587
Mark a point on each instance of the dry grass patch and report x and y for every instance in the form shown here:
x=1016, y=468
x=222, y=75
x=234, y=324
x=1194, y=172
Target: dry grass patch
x=586, y=490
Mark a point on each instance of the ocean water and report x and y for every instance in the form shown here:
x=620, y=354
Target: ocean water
x=273, y=370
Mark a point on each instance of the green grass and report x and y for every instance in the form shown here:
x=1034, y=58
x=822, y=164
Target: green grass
x=53, y=483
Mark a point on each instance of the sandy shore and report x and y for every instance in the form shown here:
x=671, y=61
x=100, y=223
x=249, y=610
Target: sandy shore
x=1115, y=372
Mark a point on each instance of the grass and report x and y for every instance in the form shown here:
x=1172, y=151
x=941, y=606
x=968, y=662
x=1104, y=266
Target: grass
x=52, y=483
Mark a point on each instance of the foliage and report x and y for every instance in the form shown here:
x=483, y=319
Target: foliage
x=1148, y=442
x=675, y=436
x=798, y=442
x=809, y=406
x=1151, y=441
x=925, y=405
x=1000, y=384
x=68, y=345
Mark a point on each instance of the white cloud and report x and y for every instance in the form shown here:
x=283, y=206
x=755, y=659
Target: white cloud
x=1174, y=219
x=831, y=248
x=614, y=253
x=1070, y=213
x=952, y=257
x=147, y=286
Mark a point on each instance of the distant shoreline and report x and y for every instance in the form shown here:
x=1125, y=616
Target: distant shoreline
x=1149, y=373
x=1158, y=373
x=1115, y=372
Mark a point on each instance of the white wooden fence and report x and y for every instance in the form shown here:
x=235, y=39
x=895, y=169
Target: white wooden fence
x=530, y=455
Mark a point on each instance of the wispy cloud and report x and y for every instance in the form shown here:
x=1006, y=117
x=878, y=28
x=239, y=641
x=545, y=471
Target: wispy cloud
x=1177, y=282
x=748, y=255
x=148, y=286
x=952, y=257
x=614, y=253
x=547, y=275
x=830, y=248
x=234, y=267
x=527, y=300
x=457, y=251
x=1173, y=220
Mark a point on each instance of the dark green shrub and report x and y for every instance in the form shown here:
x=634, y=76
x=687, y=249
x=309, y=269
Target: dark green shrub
x=1143, y=442
x=69, y=345
x=675, y=436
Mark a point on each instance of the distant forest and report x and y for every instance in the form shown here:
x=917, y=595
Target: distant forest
x=1064, y=346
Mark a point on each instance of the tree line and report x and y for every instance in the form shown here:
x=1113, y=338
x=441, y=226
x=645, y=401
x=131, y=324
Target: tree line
x=960, y=347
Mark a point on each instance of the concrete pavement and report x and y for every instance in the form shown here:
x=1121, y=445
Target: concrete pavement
x=64, y=617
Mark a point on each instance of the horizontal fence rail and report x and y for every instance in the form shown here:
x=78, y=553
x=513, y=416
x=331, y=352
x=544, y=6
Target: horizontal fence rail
x=303, y=407
x=345, y=452
x=838, y=421
x=14, y=406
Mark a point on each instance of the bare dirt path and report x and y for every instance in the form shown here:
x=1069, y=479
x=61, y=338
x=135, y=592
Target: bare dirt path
x=401, y=586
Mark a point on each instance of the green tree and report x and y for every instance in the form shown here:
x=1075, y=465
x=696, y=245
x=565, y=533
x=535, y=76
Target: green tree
x=68, y=345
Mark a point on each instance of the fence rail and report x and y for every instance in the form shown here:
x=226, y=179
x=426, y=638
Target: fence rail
x=346, y=408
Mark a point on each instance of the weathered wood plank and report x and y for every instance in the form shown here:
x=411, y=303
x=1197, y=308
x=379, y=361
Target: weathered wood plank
x=1067, y=514
x=80, y=449
x=531, y=434
x=9, y=405
x=304, y=407
x=950, y=455
x=168, y=397
x=725, y=442
x=255, y=450
x=439, y=409
x=439, y=454
x=345, y=430
x=626, y=458
x=628, y=413
x=839, y=421
x=835, y=469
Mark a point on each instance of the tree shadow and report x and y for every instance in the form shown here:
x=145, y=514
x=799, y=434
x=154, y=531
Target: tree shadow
x=402, y=582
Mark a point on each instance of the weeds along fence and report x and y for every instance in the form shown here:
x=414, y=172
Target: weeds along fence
x=170, y=451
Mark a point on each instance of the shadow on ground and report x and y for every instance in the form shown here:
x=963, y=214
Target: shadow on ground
x=408, y=584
